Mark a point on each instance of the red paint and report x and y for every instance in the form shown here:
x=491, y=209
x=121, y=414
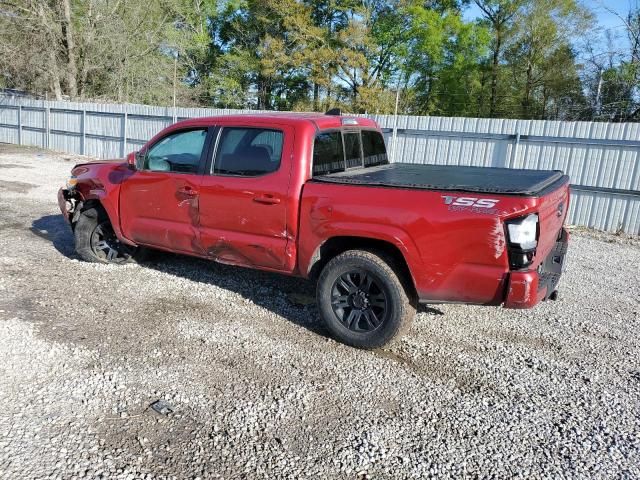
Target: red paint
x=160, y=209
x=247, y=220
x=278, y=221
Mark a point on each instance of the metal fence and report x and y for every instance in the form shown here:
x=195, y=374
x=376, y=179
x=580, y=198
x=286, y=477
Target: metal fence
x=602, y=159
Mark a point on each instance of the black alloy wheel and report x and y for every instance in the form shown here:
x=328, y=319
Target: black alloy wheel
x=358, y=301
x=364, y=298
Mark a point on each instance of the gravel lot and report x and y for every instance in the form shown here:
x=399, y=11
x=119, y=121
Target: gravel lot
x=259, y=391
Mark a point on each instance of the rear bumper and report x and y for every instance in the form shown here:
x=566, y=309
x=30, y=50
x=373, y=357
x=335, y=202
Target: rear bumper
x=527, y=289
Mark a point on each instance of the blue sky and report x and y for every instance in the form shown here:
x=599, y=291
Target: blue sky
x=599, y=7
x=605, y=18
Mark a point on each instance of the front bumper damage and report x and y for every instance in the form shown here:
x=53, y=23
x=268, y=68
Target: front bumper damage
x=527, y=289
x=67, y=203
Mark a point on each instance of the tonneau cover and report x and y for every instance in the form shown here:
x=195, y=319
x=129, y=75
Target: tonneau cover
x=449, y=177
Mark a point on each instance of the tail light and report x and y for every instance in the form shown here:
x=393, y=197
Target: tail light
x=522, y=235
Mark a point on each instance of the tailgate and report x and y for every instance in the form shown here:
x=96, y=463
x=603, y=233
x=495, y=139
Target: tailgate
x=552, y=212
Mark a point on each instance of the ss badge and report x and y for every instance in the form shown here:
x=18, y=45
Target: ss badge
x=471, y=202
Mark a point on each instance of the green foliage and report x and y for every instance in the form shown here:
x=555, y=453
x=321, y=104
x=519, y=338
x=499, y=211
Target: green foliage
x=444, y=67
x=517, y=60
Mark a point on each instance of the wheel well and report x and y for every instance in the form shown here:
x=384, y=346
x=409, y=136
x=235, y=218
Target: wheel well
x=93, y=203
x=337, y=245
x=82, y=206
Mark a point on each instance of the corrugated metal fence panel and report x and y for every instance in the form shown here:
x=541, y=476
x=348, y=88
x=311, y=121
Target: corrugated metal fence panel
x=603, y=211
x=8, y=124
x=595, y=155
x=581, y=149
x=142, y=128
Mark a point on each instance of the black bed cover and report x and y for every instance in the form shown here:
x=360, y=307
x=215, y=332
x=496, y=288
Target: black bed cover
x=509, y=181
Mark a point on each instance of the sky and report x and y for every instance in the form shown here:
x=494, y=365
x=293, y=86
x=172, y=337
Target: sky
x=599, y=7
x=601, y=10
x=605, y=18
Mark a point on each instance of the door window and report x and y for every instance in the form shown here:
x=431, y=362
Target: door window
x=179, y=152
x=248, y=151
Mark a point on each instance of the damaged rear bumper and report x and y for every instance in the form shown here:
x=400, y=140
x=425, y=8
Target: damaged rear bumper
x=527, y=289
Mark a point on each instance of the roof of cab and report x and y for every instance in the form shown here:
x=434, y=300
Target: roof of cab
x=321, y=121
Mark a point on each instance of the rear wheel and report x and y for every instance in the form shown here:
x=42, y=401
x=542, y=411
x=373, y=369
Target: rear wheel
x=97, y=242
x=362, y=299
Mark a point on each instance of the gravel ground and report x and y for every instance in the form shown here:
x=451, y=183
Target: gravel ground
x=259, y=391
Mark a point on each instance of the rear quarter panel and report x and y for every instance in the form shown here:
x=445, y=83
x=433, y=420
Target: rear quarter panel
x=455, y=254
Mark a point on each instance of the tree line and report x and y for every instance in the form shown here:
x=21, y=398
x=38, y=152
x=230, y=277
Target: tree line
x=531, y=59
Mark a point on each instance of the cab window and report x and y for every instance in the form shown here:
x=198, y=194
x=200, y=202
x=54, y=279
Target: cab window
x=328, y=153
x=373, y=148
x=352, y=150
x=179, y=152
x=337, y=151
x=248, y=151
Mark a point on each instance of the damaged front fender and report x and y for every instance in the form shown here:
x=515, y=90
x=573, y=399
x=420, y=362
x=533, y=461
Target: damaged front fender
x=70, y=203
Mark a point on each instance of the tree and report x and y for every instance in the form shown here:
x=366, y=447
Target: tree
x=443, y=59
x=517, y=60
x=499, y=15
x=540, y=41
x=625, y=79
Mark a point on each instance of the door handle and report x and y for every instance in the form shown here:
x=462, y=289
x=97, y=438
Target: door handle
x=188, y=191
x=267, y=199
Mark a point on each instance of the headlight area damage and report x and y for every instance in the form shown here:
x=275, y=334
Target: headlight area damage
x=68, y=202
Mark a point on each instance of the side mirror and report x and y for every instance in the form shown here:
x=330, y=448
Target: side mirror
x=131, y=160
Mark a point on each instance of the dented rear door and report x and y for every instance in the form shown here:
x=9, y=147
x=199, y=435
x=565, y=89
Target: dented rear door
x=243, y=205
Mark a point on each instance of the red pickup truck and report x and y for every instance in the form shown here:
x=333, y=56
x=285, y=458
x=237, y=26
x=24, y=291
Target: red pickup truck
x=315, y=196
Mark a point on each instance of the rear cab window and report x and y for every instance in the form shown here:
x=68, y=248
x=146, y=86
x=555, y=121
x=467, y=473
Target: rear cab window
x=328, y=153
x=339, y=150
x=374, y=150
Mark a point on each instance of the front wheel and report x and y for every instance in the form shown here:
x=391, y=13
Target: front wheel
x=97, y=242
x=362, y=299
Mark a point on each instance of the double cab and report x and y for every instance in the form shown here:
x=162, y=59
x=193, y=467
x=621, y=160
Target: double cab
x=315, y=196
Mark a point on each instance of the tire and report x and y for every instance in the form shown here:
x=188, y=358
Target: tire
x=96, y=241
x=363, y=299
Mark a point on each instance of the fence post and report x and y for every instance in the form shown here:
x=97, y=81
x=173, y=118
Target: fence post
x=47, y=126
x=124, y=134
x=19, y=124
x=84, y=132
x=514, y=150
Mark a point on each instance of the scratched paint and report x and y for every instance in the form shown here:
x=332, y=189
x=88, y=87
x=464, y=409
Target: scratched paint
x=496, y=239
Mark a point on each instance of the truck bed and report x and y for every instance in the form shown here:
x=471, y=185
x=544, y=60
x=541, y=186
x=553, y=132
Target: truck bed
x=508, y=181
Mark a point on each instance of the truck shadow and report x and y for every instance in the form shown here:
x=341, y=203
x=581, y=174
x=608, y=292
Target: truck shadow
x=54, y=229
x=288, y=297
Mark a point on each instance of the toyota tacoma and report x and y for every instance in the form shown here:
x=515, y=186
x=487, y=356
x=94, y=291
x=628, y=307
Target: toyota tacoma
x=315, y=196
